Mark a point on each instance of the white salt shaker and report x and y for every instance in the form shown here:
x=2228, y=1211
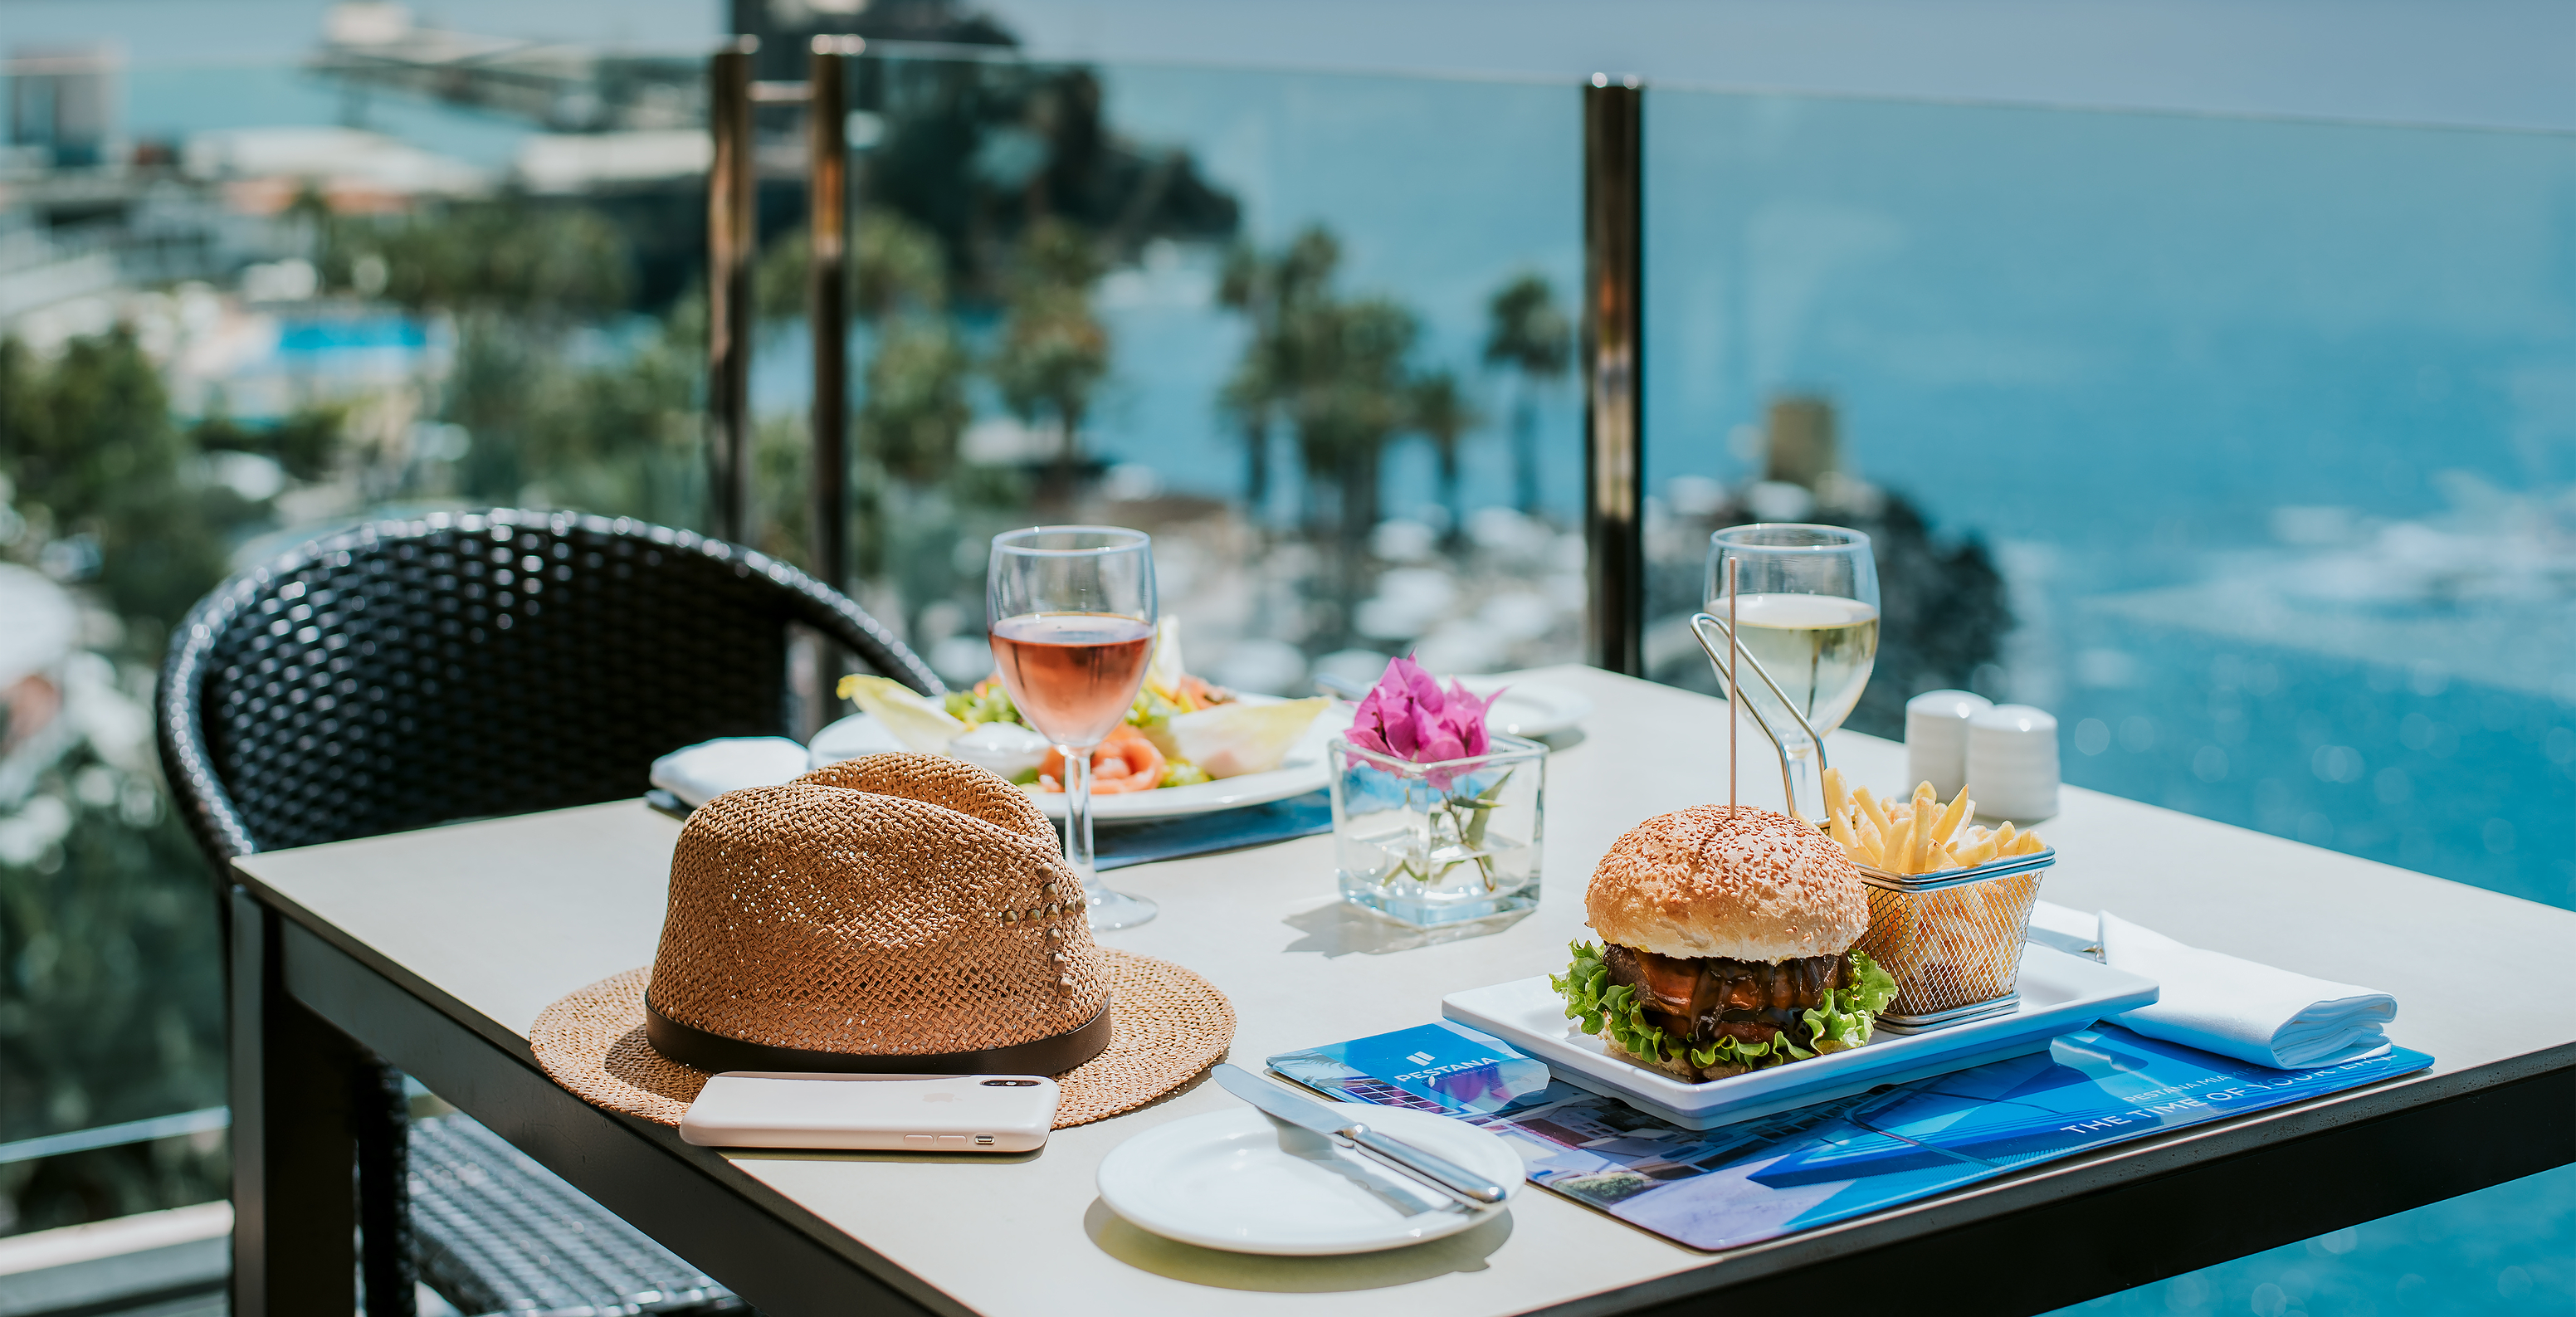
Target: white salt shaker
x=2012, y=762
x=1936, y=738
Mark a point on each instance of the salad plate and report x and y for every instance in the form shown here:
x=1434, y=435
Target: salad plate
x=1302, y=770
x=2057, y=993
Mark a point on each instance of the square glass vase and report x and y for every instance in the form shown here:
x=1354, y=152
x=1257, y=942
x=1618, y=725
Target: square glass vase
x=1439, y=843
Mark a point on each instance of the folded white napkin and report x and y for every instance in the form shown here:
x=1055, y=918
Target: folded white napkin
x=709, y=769
x=2238, y=1008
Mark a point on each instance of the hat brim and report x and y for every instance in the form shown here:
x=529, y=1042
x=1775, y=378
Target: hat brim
x=1168, y=1025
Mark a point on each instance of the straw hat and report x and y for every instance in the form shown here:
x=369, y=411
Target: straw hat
x=894, y=913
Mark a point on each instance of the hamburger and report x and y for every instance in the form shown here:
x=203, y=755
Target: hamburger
x=1726, y=946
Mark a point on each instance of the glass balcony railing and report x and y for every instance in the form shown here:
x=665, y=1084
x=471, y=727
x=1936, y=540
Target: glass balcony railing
x=1254, y=313
x=2231, y=442
x=2242, y=445
x=1312, y=330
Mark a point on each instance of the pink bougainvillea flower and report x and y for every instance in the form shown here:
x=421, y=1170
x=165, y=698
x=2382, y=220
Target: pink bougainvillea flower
x=1407, y=716
x=1368, y=727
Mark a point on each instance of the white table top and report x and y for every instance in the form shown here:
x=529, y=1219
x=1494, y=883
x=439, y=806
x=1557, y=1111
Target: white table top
x=508, y=915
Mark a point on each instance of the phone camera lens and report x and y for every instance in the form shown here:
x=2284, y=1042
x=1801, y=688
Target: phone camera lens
x=1010, y=1083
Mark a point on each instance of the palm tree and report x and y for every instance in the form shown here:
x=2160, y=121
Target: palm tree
x=912, y=408
x=1532, y=337
x=1442, y=413
x=1272, y=292
x=1358, y=397
x=1054, y=352
x=915, y=407
x=1247, y=399
x=1334, y=372
x=896, y=265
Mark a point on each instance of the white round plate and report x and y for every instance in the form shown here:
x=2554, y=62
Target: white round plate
x=1531, y=708
x=1221, y=1181
x=1303, y=769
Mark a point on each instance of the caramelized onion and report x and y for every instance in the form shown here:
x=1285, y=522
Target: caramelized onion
x=1710, y=997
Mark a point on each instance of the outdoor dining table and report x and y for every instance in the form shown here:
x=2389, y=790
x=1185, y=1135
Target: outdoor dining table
x=437, y=949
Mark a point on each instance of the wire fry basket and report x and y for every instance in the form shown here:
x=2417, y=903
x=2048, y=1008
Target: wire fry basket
x=1952, y=940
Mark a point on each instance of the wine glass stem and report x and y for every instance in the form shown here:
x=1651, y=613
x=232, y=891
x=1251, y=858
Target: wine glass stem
x=1806, y=794
x=1107, y=910
x=1077, y=817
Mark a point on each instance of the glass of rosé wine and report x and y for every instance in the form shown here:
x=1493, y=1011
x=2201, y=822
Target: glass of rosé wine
x=1072, y=611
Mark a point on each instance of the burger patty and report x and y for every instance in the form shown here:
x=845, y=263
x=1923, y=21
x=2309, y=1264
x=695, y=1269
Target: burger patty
x=1711, y=997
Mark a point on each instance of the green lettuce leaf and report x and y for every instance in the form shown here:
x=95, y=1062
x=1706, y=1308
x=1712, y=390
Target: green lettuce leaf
x=1872, y=988
x=1845, y=1019
x=1776, y=1050
x=1150, y=711
x=1591, y=999
x=975, y=710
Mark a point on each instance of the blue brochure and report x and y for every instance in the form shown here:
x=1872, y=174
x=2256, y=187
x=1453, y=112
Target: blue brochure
x=1745, y=1183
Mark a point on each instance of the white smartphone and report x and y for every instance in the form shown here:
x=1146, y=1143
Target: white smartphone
x=882, y=1113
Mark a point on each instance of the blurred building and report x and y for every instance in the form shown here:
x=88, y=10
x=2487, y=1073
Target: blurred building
x=63, y=106
x=372, y=47
x=787, y=28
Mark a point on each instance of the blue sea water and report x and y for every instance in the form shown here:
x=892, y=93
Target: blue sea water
x=2132, y=353
x=2117, y=348
x=2128, y=339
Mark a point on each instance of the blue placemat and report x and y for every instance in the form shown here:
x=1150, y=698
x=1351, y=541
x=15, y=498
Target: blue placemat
x=1766, y=1177
x=1117, y=845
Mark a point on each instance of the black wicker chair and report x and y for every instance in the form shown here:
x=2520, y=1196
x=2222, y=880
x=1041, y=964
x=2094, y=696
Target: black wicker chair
x=467, y=665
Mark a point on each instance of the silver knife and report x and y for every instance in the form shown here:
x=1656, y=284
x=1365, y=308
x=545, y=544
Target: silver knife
x=1465, y=1184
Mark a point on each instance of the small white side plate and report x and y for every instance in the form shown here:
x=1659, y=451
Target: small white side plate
x=1222, y=1181
x=1530, y=708
x=2059, y=993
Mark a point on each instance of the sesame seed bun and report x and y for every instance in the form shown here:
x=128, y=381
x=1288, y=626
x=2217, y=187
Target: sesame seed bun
x=1746, y=885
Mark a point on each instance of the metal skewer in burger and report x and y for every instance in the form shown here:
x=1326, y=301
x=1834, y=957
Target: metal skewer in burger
x=1727, y=935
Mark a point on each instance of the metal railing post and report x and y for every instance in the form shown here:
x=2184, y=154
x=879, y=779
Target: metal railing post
x=732, y=232
x=827, y=227
x=1614, y=429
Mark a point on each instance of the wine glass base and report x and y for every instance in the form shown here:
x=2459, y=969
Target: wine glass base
x=1115, y=910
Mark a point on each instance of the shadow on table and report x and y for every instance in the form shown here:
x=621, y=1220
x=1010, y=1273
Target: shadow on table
x=1338, y=928
x=1464, y=1251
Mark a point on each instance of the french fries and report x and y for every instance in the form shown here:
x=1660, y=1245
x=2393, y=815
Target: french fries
x=1918, y=834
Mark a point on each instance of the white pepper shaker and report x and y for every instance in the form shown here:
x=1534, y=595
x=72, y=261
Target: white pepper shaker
x=2012, y=763
x=1936, y=738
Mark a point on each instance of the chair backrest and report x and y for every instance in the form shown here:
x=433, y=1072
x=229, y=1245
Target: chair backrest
x=472, y=664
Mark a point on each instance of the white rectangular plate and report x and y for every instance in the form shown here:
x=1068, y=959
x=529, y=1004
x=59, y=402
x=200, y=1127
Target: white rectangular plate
x=2059, y=993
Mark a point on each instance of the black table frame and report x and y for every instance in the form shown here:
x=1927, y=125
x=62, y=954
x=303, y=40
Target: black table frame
x=307, y=997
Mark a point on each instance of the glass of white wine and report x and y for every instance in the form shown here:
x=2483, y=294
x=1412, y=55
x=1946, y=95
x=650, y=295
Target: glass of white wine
x=1807, y=603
